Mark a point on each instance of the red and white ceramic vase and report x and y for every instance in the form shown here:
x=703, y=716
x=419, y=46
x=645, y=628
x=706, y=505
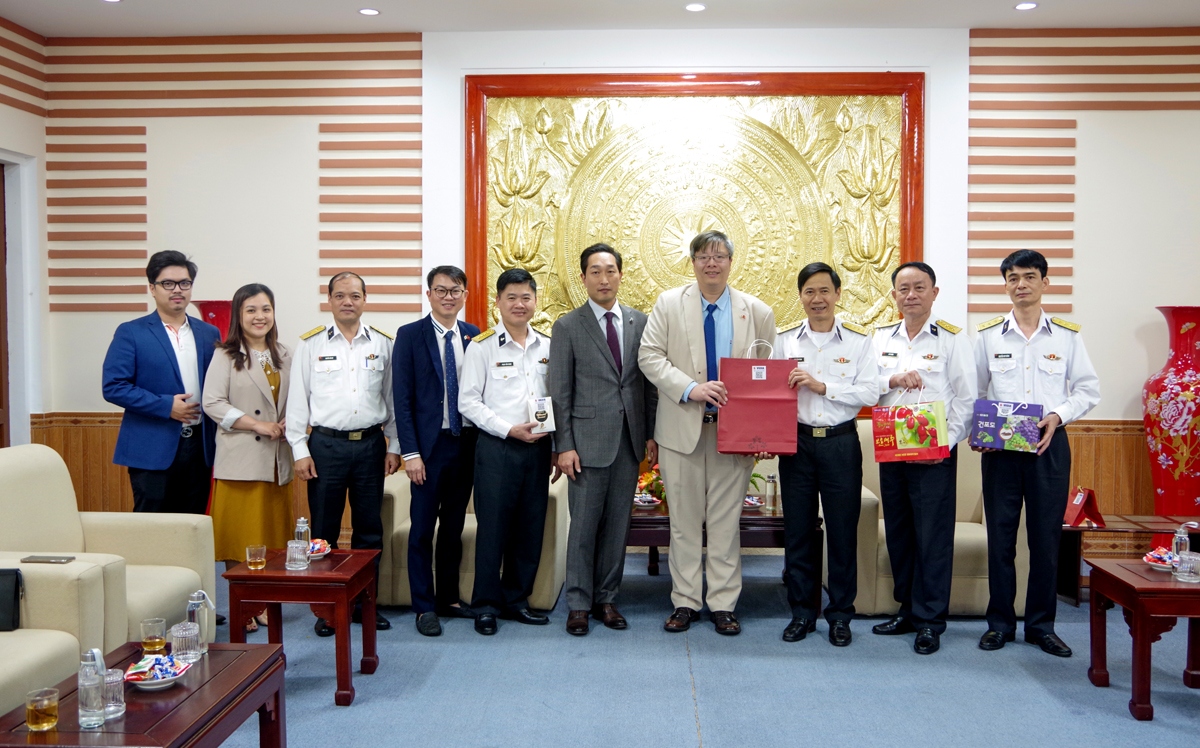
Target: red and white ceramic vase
x=1171, y=414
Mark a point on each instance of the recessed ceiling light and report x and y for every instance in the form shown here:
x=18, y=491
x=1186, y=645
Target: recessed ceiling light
x=368, y=11
x=694, y=7
x=112, y=1
x=1026, y=6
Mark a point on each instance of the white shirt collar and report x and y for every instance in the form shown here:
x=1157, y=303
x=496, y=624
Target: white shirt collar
x=600, y=311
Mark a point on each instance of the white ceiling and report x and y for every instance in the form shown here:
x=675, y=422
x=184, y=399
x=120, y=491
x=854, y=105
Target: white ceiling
x=204, y=17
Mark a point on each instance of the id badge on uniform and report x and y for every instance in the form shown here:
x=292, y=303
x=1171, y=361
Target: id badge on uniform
x=541, y=412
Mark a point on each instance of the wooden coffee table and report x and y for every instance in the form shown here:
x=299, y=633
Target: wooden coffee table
x=206, y=706
x=1070, y=550
x=1152, y=602
x=336, y=580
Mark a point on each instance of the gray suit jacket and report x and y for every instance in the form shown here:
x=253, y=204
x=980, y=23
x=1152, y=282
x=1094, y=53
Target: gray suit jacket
x=591, y=401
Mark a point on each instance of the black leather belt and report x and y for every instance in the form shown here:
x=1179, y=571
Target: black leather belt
x=710, y=416
x=824, y=432
x=353, y=436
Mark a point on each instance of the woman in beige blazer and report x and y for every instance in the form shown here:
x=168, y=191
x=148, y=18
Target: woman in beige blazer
x=245, y=392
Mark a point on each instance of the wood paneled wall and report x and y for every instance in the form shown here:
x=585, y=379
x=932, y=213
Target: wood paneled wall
x=1110, y=458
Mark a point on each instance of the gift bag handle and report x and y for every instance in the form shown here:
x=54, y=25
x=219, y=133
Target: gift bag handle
x=758, y=342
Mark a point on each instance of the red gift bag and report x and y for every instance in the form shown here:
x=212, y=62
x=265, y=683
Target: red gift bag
x=1082, y=506
x=760, y=415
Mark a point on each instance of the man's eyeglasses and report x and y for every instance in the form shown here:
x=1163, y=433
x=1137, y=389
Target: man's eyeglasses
x=453, y=293
x=705, y=259
x=172, y=285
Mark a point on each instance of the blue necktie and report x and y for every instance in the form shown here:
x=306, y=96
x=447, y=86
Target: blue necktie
x=710, y=342
x=455, y=417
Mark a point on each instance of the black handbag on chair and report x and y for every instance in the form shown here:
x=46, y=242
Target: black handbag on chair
x=12, y=589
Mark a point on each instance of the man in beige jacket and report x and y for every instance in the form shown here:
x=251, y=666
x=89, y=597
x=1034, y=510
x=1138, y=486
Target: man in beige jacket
x=690, y=330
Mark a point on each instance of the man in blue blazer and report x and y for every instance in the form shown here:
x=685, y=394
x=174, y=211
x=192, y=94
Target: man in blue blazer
x=437, y=443
x=155, y=370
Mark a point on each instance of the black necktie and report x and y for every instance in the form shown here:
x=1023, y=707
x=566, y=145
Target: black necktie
x=455, y=417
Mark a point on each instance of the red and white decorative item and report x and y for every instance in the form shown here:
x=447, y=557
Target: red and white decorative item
x=1171, y=415
x=216, y=313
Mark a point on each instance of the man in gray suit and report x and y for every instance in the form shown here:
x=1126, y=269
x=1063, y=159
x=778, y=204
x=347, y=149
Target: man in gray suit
x=604, y=415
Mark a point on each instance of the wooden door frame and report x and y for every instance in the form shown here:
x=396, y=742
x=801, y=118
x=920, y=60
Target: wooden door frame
x=5, y=408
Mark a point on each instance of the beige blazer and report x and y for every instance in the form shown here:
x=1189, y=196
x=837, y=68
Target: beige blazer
x=245, y=455
x=672, y=356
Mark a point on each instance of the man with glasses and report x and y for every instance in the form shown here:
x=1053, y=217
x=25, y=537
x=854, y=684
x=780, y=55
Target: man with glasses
x=690, y=329
x=155, y=370
x=437, y=443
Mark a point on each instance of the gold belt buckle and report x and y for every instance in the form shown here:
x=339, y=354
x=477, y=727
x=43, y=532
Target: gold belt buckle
x=819, y=432
x=355, y=436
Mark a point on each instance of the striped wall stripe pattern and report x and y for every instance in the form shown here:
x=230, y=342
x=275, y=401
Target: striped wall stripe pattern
x=99, y=96
x=1025, y=86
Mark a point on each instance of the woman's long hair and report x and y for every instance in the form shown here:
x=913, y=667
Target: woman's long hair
x=235, y=343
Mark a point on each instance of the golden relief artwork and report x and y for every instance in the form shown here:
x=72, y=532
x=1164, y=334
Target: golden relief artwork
x=790, y=179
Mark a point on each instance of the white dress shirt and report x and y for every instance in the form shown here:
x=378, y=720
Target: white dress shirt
x=1050, y=368
x=600, y=311
x=456, y=341
x=500, y=377
x=184, y=345
x=845, y=364
x=340, y=384
x=941, y=353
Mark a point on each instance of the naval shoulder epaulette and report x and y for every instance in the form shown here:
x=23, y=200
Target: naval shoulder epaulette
x=790, y=329
x=312, y=332
x=855, y=327
x=381, y=332
x=990, y=323
x=1072, y=326
x=952, y=329
x=888, y=326
x=484, y=335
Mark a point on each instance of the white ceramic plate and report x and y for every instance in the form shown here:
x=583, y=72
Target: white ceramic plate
x=1158, y=567
x=753, y=501
x=317, y=556
x=646, y=500
x=157, y=685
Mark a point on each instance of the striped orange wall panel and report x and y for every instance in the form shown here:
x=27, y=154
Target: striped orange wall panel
x=370, y=218
x=22, y=69
x=103, y=95
x=96, y=220
x=1024, y=86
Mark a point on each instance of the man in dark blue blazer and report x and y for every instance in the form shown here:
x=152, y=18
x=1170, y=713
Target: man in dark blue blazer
x=437, y=444
x=155, y=370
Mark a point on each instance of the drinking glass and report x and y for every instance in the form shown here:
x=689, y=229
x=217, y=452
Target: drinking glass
x=154, y=636
x=297, y=555
x=114, y=693
x=185, y=642
x=1188, y=568
x=256, y=556
x=41, y=709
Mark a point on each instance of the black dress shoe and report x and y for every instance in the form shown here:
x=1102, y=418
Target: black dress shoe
x=462, y=610
x=220, y=620
x=839, y=633
x=928, y=641
x=993, y=640
x=526, y=616
x=798, y=629
x=381, y=623
x=485, y=623
x=894, y=626
x=323, y=628
x=1050, y=644
x=428, y=624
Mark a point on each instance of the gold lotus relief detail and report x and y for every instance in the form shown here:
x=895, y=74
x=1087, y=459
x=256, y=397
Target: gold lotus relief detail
x=791, y=180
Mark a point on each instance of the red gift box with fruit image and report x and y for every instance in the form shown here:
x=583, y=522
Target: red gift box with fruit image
x=999, y=424
x=910, y=432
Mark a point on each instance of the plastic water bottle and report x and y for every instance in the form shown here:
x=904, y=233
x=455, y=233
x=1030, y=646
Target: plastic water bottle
x=195, y=614
x=302, y=531
x=771, y=500
x=91, y=689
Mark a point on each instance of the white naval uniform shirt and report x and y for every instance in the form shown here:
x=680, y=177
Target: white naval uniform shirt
x=845, y=364
x=499, y=378
x=184, y=345
x=342, y=385
x=943, y=356
x=1050, y=368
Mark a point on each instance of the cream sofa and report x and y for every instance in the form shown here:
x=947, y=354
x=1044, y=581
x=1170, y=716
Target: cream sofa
x=150, y=562
x=393, y=566
x=62, y=614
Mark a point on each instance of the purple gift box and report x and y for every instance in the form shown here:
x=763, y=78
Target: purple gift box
x=998, y=424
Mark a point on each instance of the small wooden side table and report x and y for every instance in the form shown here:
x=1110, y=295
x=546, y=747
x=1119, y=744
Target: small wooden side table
x=338, y=579
x=1152, y=601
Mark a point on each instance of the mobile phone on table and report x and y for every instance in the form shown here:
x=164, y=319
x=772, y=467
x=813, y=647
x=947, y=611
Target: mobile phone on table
x=47, y=559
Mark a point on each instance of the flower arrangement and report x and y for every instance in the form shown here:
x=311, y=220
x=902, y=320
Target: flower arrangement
x=650, y=482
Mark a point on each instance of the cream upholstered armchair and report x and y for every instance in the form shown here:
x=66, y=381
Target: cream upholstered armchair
x=393, y=566
x=62, y=614
x=149, y=562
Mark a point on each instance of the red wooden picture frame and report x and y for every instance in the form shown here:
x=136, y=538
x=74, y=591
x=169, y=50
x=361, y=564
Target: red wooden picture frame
x=909, y=86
